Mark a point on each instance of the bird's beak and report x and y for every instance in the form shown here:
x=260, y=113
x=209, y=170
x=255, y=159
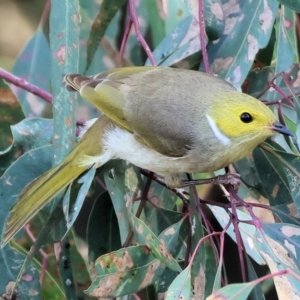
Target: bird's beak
x=281, y=129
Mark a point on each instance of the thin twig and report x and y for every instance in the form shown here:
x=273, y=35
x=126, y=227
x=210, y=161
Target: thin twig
x=139, y=35
x=202, y=35
x=22, y=83
x=43, y=253
x=125, y=38
x=235, y=222
x=181, y=193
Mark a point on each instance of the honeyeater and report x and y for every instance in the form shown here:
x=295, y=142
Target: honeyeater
x=169, y=121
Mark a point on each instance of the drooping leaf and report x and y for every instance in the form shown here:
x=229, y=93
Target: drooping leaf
x=107, y=11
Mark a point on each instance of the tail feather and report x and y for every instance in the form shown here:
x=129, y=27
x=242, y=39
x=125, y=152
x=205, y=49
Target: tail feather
x=39, y=193
x=42, y=190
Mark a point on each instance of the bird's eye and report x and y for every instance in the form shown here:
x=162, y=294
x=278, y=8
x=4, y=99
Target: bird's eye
x=246, y=117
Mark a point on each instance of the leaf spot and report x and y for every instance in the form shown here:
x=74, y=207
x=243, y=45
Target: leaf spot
x=266, y=18
x=252, y=47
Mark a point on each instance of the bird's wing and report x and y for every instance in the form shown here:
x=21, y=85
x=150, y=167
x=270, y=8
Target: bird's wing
x=121, y=95
x=102, y=90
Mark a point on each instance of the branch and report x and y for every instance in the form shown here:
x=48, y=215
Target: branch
x=22, y=83
x=139, y=35
x=203, y=35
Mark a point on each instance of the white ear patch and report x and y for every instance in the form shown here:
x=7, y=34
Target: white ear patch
x=218, y=134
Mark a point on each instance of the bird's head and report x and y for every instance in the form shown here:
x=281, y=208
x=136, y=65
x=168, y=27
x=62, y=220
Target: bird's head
x=237, y=118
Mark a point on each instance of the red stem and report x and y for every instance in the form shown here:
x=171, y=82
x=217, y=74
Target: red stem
x=203, y=35
x=43, y=253
x=139, y=35
x=125, y=38
x=235, y=222
x=22, y=83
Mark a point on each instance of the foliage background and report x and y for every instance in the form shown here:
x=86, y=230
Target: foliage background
x=249, y=42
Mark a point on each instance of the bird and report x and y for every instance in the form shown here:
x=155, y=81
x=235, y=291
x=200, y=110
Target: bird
x=166, y=120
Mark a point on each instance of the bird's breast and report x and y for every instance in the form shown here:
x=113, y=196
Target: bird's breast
x=121, y=144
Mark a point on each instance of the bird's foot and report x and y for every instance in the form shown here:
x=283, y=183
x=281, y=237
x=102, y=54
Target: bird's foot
x=228, y=178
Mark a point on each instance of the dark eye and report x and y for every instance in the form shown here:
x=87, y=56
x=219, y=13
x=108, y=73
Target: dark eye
x=246, y=117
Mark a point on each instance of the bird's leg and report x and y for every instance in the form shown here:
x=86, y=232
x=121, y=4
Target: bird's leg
x=228, y=178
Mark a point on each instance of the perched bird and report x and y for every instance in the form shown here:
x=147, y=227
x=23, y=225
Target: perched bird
x=169, y=121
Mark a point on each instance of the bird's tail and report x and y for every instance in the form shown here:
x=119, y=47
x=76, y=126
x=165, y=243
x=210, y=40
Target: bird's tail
x=38, y=193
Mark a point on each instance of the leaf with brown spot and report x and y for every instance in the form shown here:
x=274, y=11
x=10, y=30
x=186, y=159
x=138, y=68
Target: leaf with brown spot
x=248, y=26
x=158, y=247
x=124, y=272
x=279, y=246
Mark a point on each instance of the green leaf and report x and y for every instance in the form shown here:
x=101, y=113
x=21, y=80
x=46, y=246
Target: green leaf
x=51, y=288
x=249, y=26
x=282, y=45
x=259, y=81
x=32, y=133
x=64, y=40
x=107, y=11
x=290, y=163
x=12, y=185
x=238, y=291
x=174, y=12
x=287, y=213
x=175, y=236
x=64, y=21
x=116, y=175
x=292, y=4
x=158, y=219
x=157, y=245
x=277, y=256
x=80, y=269
x=180, y=288
x=33, y=64
x=177, y=45
x=214, y=16
x=10, y=265
x=273, y=177
x=72, y=210
x=175, y=240
x=257, y=292
x=102, y=230
x=288, y=236
x=156, y=19
x=210, y=269
x=198, y=267
x=28, y=134
x=246, y=168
